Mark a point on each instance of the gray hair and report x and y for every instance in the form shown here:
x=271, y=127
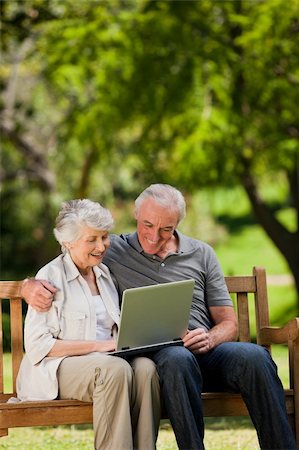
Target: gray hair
x=166, y=195
x=76, y=214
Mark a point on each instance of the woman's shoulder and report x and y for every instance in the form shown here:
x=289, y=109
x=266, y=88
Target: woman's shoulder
x=53, y=266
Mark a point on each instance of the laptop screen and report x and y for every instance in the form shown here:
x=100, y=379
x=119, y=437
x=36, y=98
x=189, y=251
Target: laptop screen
x=154, y=314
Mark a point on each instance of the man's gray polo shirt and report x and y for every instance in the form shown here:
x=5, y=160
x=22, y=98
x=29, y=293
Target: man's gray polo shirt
x=131, y=267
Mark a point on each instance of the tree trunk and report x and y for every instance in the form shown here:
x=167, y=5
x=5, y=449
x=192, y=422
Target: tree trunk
x=286, y=241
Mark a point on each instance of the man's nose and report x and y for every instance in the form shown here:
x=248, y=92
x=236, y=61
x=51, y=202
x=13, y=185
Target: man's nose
x=155, y=234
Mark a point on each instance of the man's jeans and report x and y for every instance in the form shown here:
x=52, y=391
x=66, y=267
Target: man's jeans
x=232, y=366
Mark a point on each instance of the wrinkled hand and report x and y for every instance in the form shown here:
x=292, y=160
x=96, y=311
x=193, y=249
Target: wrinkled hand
x=38, y=293
x=197, y=341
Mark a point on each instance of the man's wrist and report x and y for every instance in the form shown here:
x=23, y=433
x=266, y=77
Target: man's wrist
x=22, y=285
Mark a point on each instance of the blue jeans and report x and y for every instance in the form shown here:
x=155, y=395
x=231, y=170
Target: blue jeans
x=232, y=366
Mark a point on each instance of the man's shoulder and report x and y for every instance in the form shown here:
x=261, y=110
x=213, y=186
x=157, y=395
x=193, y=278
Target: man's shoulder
x=120, y=247
x=190, y=243
x=124, y=241
x=117, y=238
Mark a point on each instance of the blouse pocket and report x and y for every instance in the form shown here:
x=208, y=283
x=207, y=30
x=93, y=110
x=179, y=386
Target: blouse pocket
x=73, y=324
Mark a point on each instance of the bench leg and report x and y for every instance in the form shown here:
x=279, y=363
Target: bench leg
x=3, y=432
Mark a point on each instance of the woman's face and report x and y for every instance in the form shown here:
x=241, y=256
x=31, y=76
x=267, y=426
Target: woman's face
x=90, y=249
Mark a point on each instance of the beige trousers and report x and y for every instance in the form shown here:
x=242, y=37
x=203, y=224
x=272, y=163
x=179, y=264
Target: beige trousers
x=126, y=398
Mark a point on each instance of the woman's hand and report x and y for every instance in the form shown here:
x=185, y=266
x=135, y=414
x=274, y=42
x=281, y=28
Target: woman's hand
x=106, y=346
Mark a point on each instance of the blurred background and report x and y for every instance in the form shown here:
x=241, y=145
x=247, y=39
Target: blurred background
x=101, y=98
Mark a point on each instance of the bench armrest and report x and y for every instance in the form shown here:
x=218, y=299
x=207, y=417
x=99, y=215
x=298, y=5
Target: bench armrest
x=280, y=335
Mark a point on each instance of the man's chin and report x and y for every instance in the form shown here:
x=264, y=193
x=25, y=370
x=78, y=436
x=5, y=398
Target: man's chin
x=151, y=250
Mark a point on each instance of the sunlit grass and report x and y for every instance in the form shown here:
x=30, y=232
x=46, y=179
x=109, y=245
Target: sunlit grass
x=221, y=434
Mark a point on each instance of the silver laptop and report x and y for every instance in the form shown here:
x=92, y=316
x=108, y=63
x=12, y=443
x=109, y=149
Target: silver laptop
x=153, y=317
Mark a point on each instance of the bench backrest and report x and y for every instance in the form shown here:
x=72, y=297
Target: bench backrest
x=241, y=286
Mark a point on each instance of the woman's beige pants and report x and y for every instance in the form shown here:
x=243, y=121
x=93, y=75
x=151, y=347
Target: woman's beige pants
x=126, y=398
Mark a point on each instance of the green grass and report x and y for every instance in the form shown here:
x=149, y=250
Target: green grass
x=247, y=248
x=221, y=434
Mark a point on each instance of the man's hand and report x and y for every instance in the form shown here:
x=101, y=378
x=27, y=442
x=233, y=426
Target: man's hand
x=225, y=329
x=198, y=341
x=38, y=293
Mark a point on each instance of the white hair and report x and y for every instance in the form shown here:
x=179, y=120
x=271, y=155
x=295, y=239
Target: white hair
x=76, y=214
x=166, y=195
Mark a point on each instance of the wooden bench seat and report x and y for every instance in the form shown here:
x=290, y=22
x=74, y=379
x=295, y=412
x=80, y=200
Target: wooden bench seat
x=62, y=412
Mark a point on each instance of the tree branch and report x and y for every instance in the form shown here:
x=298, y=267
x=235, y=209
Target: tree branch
x=34, y=160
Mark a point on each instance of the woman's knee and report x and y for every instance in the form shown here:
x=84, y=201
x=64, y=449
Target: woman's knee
x=120, y=367
x=145, y=372
x=144, y=367
x=114, y=371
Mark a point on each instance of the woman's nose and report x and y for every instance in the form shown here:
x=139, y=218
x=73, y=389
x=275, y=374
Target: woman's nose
x=100, y=246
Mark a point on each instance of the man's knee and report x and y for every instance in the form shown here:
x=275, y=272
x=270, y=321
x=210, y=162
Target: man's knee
x=260, y=359
x=172, y=360
x=253, y=357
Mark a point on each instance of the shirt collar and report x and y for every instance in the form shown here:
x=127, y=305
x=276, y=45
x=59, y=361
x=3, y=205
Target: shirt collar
x=133, y=241
x=72, y=271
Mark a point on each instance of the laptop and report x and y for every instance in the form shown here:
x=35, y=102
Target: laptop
x=153, y=317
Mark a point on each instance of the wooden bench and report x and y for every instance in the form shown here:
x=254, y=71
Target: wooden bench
x=61, y=412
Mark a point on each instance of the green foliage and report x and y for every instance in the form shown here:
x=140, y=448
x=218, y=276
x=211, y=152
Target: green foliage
x=121, y=78
x=101, y=98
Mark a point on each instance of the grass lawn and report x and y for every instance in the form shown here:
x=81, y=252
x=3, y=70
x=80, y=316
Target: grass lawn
x=224, y=434
x=221, y=433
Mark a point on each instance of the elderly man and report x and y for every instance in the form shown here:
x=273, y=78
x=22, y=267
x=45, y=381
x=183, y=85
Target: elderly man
x=210, y=359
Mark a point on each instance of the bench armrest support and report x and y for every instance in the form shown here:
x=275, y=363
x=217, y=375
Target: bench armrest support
x=280, y=335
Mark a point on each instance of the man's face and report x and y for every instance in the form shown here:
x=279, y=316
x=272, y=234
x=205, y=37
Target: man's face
x=155, y=225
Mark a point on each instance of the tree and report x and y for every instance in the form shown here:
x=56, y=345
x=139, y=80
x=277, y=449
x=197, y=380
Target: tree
x=223, y=79
x=191, y=93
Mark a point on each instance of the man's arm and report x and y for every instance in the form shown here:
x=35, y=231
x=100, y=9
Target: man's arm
x=225, y=329
x=38, y=293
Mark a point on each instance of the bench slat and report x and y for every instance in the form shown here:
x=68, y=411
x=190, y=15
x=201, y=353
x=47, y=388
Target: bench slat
x=64, y=412
x=243, y=317
x=241, y=284
x=16, y=337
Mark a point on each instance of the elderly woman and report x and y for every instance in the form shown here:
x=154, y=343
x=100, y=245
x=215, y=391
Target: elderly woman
x=67, y=348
